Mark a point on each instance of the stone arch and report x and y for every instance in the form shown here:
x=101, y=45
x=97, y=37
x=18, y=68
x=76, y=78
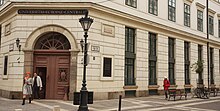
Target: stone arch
x=32, y=40
x=34, y=36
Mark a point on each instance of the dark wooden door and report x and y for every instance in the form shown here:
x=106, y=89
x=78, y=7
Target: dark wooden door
x=42, y=71
x=57, y=74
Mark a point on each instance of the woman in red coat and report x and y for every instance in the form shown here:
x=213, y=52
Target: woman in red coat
x=166, y=85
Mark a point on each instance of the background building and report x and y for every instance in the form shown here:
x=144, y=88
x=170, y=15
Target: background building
x=133, y=45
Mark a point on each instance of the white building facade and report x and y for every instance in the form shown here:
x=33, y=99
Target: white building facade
x=133, y=44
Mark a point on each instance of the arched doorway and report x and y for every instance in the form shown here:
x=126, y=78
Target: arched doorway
x=52, y=63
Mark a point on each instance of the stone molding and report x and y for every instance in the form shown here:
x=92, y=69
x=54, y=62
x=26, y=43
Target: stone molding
x=152, y=87
x=200, y=6
x=34, y=36
x=130, y=87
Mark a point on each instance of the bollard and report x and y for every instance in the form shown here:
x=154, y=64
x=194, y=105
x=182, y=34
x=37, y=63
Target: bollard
x=119, y=107
x=56, y=108
x=18, y=109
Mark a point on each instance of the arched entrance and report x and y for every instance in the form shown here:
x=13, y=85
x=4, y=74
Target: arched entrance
x=52, y=63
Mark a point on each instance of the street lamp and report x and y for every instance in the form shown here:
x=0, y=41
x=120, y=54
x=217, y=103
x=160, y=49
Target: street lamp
x=86, y=22
x=18, y=44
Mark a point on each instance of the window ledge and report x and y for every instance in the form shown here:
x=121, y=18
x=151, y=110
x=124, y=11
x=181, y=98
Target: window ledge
x=130, y=87
x=150, y=87
x=106, y=79
x=187, y=86
x=173, y=86
x=4, y=77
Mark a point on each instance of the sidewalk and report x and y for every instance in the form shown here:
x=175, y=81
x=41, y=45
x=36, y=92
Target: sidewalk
x=128, y=104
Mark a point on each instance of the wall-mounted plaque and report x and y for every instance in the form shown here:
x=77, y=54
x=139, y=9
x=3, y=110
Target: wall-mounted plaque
x=108, y=30
x=95, y=48
x=7, y=29
x=11, y=47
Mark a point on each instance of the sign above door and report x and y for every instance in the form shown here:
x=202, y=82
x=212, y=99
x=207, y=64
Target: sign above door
x=53, y=11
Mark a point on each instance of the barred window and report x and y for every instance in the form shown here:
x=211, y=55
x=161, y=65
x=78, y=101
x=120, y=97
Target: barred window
x=187, y=62
x=152, y=59
x=130, y=56
x=130, y=39
x=171, y=58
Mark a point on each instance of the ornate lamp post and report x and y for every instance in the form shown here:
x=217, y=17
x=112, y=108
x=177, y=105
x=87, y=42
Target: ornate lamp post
x=18, y=44
x=86, y=22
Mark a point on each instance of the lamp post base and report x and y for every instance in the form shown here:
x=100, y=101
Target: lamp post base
x=83, y=108
x=84, y=100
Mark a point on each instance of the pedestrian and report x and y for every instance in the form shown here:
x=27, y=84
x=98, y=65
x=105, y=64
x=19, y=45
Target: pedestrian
x=37, y=86
x=166, y=85
x=27, y=88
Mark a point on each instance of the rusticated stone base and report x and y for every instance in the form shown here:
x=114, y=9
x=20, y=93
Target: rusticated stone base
x=115, y=95
x=70, y=96
x=161, y=92
x=142, y=93
x=10, y=94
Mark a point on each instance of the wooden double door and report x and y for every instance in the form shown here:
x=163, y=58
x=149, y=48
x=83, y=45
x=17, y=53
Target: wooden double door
x=54, y=72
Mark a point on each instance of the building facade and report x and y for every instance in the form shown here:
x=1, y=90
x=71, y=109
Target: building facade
x=133, y=45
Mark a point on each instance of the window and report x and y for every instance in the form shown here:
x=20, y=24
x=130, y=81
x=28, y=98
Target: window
x=187, y=62
x=219, y=60
x=218, y=28
x=129, y=72
x=6, y=65
x=212, y=65
x=172, y=10
x=200, y=51
x=153, y=7
x=186, y=15
x=129, y=40
x=152, y=59
x=0, y=35
x=1, y=2
x=200, y=58
x=200, y=20
x=107, y=67
x=129, y=56
x=171, y=59
x=132, y=3
x=211, y=26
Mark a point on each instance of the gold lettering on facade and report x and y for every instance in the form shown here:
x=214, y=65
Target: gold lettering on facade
x=51, y=11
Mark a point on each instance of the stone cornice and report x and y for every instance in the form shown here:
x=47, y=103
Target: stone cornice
x=188, y=1
x=199, y=5
x=218, y=15
x=212, y=11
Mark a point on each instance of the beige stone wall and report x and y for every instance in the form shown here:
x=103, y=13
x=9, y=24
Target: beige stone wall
x=179, y=63
x=205, y=71
x=194, y=58
x=162, y=59
x=110, y=46
x=142, y=60
x=23, y=27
